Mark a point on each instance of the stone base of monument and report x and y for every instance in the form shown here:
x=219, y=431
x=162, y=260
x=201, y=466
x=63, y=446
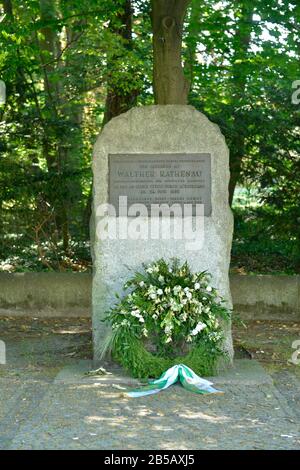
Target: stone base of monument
x=159, y=155
x=243, y=372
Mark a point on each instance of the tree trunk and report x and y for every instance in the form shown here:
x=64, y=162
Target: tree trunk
x=70, y=142
x=118, y=101
x=53, y=152
x=239, y=81
x=192, y=39
x=169, y=83
x=7, y=6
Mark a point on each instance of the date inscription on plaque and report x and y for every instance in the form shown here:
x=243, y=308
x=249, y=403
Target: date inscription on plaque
x=161, y=179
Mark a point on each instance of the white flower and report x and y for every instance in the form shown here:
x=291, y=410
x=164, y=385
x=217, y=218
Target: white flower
x=214, y=336
x=153, y=295
x=189, y=295
x=209, y=288
x=159, y=292
x=154, y=316
x=174, y=305
x=136, y=313
x=149, y=270
x=168, y=340
x=189, y=339
x=197, y=286
x=161, y=278
x=168, y=329
x=199, y=327
x=186, y=289
x=142, y=284
x=177, y=289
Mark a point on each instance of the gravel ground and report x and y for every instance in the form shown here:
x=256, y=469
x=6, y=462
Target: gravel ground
x=39, y=412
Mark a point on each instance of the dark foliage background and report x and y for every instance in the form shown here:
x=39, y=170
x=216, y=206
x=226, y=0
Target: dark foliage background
x=71, y=66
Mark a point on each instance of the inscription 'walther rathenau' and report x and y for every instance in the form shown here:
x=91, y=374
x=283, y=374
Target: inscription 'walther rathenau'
x=160, y=179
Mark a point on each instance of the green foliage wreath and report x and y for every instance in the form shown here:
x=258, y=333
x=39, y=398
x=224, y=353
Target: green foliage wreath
x=169, y=316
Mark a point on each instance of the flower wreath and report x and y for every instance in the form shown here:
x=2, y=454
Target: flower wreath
x=169, y=316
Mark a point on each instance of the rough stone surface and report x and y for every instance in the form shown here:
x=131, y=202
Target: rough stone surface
x=70, y=295
x=267, y=296
x=45, y=294
x=160, y=129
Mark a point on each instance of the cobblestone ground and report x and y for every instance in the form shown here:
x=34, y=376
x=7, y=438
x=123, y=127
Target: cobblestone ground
x=39, y=412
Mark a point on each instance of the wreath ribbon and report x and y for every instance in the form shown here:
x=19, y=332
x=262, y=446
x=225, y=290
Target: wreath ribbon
x=181, y=373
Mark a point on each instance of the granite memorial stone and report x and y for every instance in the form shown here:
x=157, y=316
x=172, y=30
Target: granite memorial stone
x=151, y=156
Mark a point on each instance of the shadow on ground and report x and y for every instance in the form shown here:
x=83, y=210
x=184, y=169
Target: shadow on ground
x=44, y=407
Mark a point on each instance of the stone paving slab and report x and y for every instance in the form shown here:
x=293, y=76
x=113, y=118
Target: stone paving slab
x=87, y=413
x=46, y=404
x=244, y=371
x=95, y=416
x=75, y=373
x=19, y=401
x=9, y=396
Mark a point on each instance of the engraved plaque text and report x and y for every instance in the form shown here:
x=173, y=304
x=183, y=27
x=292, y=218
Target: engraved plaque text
x=160, y=179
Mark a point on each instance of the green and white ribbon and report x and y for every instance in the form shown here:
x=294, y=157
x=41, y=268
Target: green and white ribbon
x=181, y=373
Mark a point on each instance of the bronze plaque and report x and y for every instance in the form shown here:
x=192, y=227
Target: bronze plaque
x=160, y=179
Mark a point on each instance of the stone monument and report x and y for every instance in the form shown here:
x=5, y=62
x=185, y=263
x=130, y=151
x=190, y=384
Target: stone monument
x=161, y=155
